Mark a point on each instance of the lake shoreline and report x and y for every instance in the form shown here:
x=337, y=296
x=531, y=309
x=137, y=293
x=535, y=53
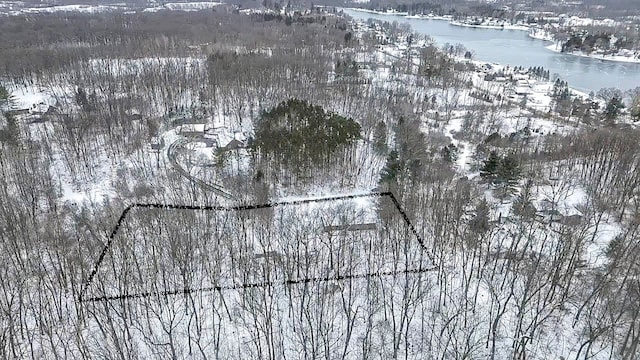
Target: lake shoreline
x=494, y=27
x=611, y=58
x=517, y=48
x=447, y=18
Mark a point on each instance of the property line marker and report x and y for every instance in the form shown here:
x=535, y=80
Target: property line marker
x=128, y=209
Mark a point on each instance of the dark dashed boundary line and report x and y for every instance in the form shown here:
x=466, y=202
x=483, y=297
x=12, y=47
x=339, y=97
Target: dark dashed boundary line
x=263, y=284
x=126, y=211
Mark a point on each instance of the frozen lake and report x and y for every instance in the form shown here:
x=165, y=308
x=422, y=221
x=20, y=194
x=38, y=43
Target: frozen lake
x=516, y=48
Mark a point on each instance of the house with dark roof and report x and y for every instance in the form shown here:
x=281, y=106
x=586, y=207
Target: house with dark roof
x=234, y=145
x=192, y=130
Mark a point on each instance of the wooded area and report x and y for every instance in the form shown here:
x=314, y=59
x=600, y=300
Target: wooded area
x=529, y=218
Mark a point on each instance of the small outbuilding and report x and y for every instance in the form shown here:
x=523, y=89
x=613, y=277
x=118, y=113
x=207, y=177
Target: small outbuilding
x=234, y=145
x=192, y=130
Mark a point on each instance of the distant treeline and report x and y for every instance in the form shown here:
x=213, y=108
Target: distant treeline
x=34, y=43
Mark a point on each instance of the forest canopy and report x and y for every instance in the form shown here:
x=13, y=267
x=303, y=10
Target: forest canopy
x=296, y=130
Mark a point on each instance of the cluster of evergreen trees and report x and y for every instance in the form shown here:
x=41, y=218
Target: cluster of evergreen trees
x=587, y=42
x=539, y=72
x=614, y=108
x=4, y=94
x=299, y=133
x=501, y=170
x=346, y=67
x=87, y=102
x=561, y=90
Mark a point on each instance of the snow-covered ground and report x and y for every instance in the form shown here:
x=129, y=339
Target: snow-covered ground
x=388, y=12
x=540, y=34
x=89, y=9
x=584, y=21
x=121, y=67
x=628, y=58
x=430, y=17
x=32, y=98
x=285, y=253
x=488, y=24
x=18, y=8
x=403, y=314
x=499, y=25
x=186, y=6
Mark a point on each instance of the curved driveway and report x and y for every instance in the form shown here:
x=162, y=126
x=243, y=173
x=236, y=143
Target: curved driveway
x=171, y=154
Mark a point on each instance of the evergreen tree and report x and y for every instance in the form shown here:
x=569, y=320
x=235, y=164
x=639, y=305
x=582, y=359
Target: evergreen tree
x=635, y=109
x=85, y=101
x=490, y=167
x=81, y=98
x=380, y=137
x=508, y=170
x=450, y=153
x=614, y=106
x=479, y=224
x=508, y=175
x=298, y=133
x=392, y=168
x=10, y=134
x=5, y=98
x=4, y=93
x=501, y=170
